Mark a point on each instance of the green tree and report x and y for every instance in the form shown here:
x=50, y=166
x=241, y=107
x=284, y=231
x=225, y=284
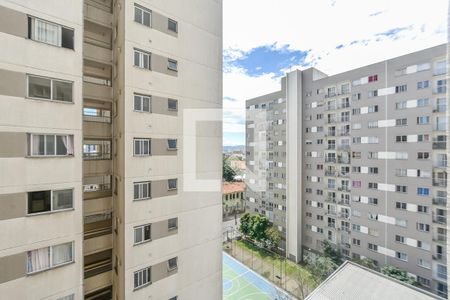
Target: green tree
x=244, y=228
x=273, y=237
x=366, y=262
x=259, y=225
x=320, y=267
x=397, y=274
x=227, y=171
x=330, y=252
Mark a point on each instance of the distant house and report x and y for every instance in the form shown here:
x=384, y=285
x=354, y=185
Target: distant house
x=233, y=198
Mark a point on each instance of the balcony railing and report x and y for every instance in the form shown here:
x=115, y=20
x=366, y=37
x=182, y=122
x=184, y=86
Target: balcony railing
x=344, y=202
x=330, y=199
x=440, y=108
x=441, y=182
x=440, y=257
x=330, y=133
x=344, y=188
x=331, y=173
x=344, y=147
x=440, y=238
x=330, y=159
x=438, y=219
x=344, y=215
x=440, y=201
x=439, y=145
x=331, y=213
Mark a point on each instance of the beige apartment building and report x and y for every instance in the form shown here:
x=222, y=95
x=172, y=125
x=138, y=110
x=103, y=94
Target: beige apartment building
x=93, y=97
x=359, y=159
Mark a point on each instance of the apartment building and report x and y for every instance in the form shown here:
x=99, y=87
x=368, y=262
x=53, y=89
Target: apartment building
x=358, y=159
x=93, y=97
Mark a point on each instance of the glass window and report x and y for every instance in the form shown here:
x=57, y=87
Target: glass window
x=49, y=257
x=39, y=87
x=142, y=233
x=62, y=254
x=142, y=190
x=172, y=64
x=172, y=263
x=172, y=104
x=62, y=91
x=62, y=199
x=142, y=103
x=173, y=223
x=142, y=15
x=142, y=59
x=46, y=32
x=172, y=183
x=142, y=277
x=39, y=202
x=141, y=147
x=172, y=144
x=172, y=25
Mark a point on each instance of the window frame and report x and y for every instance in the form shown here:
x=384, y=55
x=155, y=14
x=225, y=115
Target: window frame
x=173, y=101
x=142, y=228
x=171, y=148
x=142, y=98
x=141, y=147
x=172, y=61
x=169, y=20
x=176, y=184
x=142, y=11
x=144, y=284
x=170, y=228
x=30, y=145
x=140, y=191
x=52, y=80
x=31, y=31
x=142, y=53
x=173, y=268
x=50, y=254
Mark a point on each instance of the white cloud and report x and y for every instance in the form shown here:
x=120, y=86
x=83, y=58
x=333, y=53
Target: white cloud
x=320, y=27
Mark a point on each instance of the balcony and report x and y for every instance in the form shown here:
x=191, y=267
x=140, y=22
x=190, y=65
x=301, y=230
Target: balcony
x=331, y=147
x=344, y=202
x=96, y=150
x=100, y=15
x=344, y=188
x=344, y=215
x=439, y=145
x=97, y=54
x=102, y=92
x=344, y=147
x=439, y=219
x=331, y=107
x=331, y=213
x=440, y=257
x=99, y=281
x=330, y=159
x=330, y=199
x=345, y=229
x=97, y=244
x=331, y=173
x=342, y=160
x=440, y=238
x=440, y=201
x=331, y=225
x=440, y=182
x=440, y=108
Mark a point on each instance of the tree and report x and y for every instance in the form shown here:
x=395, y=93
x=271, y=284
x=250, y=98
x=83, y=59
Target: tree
x=397, y=274
x=273, y=237
x=302, y=279
x=259, y=225
x=245, y=224
x=228, y=173
x=320, y=266
x=330, y=252
x=366, y=262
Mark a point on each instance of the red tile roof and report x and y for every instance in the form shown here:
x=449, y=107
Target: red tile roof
x=232, y=187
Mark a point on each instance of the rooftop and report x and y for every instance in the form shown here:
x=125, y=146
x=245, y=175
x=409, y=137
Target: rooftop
x=232, y=187
x=353, y=282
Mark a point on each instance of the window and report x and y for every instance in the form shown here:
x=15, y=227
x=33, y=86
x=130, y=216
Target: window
x=373, y=108
x=372, y=124
x=172, y=64
x=423, y=120
x=423, y=191
x=356, y=242
x=172, y=223
x=401, y=122
x=373, y=185
x=142, y=59
x=401, y=256
x=50, y=89
x=172, y=184
x=422, y=209
x=441, y=86
x=142, y=15
x=373, y=170
x=423, y=227
x=401, y=138
x=400, y=239
x=142, y=234
x=96, y=115
x=400, y=205
x=423, y=137
x=142, y=103
x=172, y=144
x=423, y=84
x=172, y=104
x=423, y=281
x=172, y=25
x=401, y=188
x=142, y=190
x=142, y=277
x=423, y=155
x=39, y=202
x=401, y=88
x=49, y=257
x=50, y=145
x=440, y=67
x=373, y=94
x=172, y=264
x=373, y=201
x=373, y=247
x=373, y=78
x=50, y=33
x=141, y=147
x=401, y=105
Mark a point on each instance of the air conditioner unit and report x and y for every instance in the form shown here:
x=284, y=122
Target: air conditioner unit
x=90, y=188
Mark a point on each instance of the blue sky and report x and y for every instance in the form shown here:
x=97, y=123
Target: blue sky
x=263, y=39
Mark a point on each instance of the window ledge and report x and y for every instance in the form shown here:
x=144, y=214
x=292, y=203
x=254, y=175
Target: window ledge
x=142, y=286
x=49, y=212
x=48, y=100
x=142, y=243
x=49, y=156
x=143, y=199
x=51, y=268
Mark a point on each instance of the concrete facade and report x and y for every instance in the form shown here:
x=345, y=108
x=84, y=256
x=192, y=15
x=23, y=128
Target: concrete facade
x=359, y=159
x=93, y=98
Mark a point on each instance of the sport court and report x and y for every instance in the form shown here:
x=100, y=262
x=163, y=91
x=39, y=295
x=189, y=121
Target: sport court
x=241, y=283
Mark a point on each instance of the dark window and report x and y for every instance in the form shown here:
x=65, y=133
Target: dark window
x=172, y=144
x=172, y=104
x=172, y=263
x=67, y=38
x=173, y=25
x=39, y=202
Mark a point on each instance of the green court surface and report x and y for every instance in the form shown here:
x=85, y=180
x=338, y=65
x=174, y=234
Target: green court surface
x=241, y=283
